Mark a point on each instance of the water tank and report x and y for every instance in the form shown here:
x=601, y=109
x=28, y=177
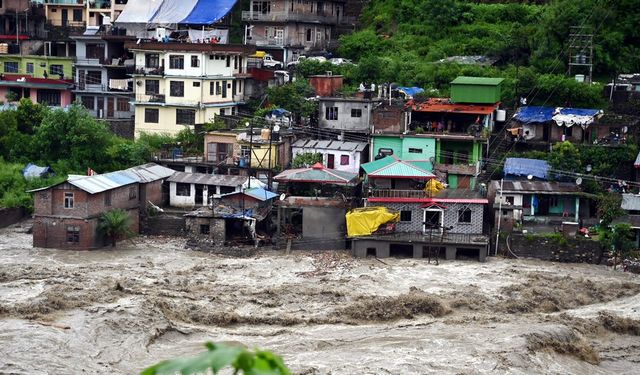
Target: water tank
x=580, y=78
x=4, y=48
x=265, y=134
x=242, y=162
x=501, y=115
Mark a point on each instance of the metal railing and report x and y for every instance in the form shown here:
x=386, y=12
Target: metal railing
x=322, y=17
x=394, y=193
x=436, y=237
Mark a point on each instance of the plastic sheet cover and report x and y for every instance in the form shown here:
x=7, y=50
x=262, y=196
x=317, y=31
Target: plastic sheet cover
x=207, y=12
x=138, y=11
x=365, y=221
x=171, y=12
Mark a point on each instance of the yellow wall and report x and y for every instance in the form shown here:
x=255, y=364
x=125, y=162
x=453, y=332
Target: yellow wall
x=54, y=14
x=192, y=95
x=260, y=157
x=167, y=119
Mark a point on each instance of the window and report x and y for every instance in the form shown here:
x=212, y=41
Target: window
x=88, y=102
x=227, y=189
x=553, y=201
x=77, y=15
x=568, y=131
x=228, y=61
x=309, y=38
x=224, y=89
x=331, y=113
x=56, y=69
x=68, y=200
x=176, y=62
x=405, y=215
x=464, y=215
x=415, y=150
x=151, y=115
x=344, y=160
x=107, y=198
x=93, y=77
x=49, y=97
x=30, y=68
x=11, y=67
x=73, y=233
x=176, y=88
x=123, y=105
x=94, y=51
x=183, y=190
x=133, y=192
x=218, y=88
x=204, y=228
x=356, y=112
x=185, y=116
x=152, y=60
x=212, y=88
x=223, y=111
x=245, y=152
x=195, y=62
x=196, y=84
x=152, y=87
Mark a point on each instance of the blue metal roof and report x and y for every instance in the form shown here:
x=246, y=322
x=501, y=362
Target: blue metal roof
x=532, y=114
x=525, y=167
x=260, y=194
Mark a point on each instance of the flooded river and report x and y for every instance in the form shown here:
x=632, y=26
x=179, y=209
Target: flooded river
x=118, y=311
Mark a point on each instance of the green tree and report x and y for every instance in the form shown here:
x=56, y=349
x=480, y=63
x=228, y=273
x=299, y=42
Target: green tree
x=564, y=157
x=620, y=240
x=306, y=159
x=293, y=97
x=609, y=208
x=220, y=356
x=115, y=224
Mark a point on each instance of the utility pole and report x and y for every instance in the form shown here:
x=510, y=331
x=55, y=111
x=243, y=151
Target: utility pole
x=499, y=216
x=250, y=151
x=270, y=146
x=581, y=49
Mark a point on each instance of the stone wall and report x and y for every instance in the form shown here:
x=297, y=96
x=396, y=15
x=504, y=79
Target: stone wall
x=163, y=225
x=554, y=248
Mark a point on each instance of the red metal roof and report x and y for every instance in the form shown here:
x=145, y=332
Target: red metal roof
x=428, y=200
x=29, y=79
x=439, y=105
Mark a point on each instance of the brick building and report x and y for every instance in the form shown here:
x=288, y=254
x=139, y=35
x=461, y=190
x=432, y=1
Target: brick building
x=66, y=215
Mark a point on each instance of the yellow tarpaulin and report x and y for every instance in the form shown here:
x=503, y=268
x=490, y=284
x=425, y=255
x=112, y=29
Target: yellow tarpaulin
x=365, y=221
x=258, y=54
x=433, y=187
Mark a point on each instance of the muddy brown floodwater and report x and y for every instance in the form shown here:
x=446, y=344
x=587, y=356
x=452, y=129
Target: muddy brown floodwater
x=117, y=311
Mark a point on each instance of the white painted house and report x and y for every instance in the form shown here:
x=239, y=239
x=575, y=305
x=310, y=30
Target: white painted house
x=338, y=155
x=196, y=189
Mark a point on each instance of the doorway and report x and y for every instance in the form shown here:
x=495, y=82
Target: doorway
x=432, y=221
x=199, y=193
x=545, y=132
x=65, y=17
x=331, y=161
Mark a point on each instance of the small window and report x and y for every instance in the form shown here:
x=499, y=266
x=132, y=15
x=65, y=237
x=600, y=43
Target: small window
x=56, y=69
x=77, y=15
x=88, y=102
x=30, y=68
x=415, y=150
x=176, y=62
x=464, y=215
x=245, y=152
x=309, y=36
x=107, y=198
x=224, y=89
x=212, y=88
x=344, y=160
x=152, y=87
x=176, y=88
x=331, y=113
x=228, y=61
x=151, y=115
x=195, y=62
x=73, y=233
x=68, y=200
x=93, y=77
x=185, y=116
x=405, y=215
x=183, y=190
x=133, y=192
x=11, y=67
x=356, y=112
x=196, y=84
x=223, y=111
x=152, y=60
x=123, y=105
x=204, y=229
x=218, y=88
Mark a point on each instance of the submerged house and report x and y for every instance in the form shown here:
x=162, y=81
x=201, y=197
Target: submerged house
x=197, y=189
x=431, y=221
x=311, y=214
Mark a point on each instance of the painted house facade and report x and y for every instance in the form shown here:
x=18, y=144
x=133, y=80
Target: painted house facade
x=197, y=189
x=43, y=79
x=179, y=85
x=346, y=114
x=339, y=155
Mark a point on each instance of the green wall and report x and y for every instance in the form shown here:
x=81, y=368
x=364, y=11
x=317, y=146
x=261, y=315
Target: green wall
x=401, y=146
x=485, y=94
x=472, y=148
x=394, y=143
x=40, y=65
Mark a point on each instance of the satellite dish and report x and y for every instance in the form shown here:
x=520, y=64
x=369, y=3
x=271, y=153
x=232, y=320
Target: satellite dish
x=432, y=159
x=283, y=196
x=579, y=181
x=276, y=128
x=530, y=177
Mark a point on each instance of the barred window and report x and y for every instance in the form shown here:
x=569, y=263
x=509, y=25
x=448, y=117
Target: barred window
x=176, y=88
x=151, y=115
x=331, y=113
x=73, y=234
x=185, y=116
x=464, y=215
x=176, y=62
x=152, y=87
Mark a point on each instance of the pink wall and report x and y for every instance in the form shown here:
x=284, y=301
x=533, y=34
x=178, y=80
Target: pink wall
x=66, y=96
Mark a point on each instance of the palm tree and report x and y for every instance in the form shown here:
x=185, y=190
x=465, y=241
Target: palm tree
x=115, y=224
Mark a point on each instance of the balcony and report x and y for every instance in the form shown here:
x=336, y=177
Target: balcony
x=157, y=98
x=64, y=2
x=159, y=71
x=324, y=18
x=434, y=237
x=99, y=4
x=394, y=193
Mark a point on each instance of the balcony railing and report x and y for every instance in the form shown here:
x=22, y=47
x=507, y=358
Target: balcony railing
x=393, y=193
x=291, y=16
x=65, y=2
x=99, y=4
x=436, y=237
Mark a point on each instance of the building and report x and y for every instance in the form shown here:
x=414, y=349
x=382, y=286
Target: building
x=288, y=29
x=102, y=74
x=191, y=190
x=346, y=114
x=339, y=155
x=312, y=213
x=476, y=90
x=179, y=85
x=67, y=215
x=27, y=15
x=631, y=205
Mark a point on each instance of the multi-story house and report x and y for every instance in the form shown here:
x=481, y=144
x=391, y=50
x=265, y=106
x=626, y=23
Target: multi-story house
x=288, y=28
x=179, y=85
x=102, y=12
x=43, y=79
x=103, y=85
x=26, y=14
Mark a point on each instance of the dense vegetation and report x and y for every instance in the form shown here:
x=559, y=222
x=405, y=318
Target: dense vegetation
x=402, y=41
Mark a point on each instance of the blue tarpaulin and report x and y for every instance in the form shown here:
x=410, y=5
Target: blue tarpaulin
x=525, y=167
x=531, y=114
x=206, y=12
x=411, y=91
x=279, y=112
x=33, y=171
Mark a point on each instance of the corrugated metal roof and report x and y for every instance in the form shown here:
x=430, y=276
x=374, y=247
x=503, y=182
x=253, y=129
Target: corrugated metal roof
x=149, y=172
x=540, y=187
x=330, y=145
x=101, y=182
x=477, y=81
x=317, y=174
x=260, y=194
x=391, y=166
x=630, y=202
x=207, y=179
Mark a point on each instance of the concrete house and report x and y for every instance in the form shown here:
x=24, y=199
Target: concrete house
x=43, y=79
x=66, y=215
x=338, y=155
x=346, y=114
x=197, y=189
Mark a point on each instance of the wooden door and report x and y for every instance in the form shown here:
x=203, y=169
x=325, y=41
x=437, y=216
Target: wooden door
x=331, y=161
x=110, y=108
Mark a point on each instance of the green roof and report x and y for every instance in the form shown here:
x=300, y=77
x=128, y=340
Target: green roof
x=377, y=164
x=482, y=81
x=392, y=167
